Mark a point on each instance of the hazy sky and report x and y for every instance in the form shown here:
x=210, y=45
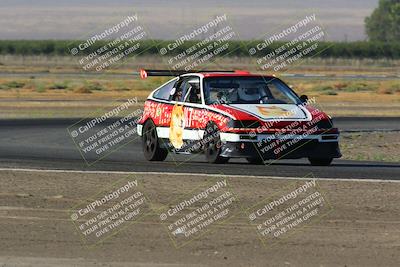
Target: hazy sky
x=74, y=19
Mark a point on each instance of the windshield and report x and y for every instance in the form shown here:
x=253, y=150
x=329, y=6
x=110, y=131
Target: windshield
x=248, y=90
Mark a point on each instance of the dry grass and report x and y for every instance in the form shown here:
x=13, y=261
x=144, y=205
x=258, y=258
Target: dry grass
x=14, y=88
x=371, y=146
x=345, y=102
x=338, y=98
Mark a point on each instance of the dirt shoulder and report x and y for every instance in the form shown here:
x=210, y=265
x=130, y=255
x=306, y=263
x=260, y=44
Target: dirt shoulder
x=360, y=229
x=371, y=146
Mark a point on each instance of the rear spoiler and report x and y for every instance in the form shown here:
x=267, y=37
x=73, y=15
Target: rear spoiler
x=146, y=73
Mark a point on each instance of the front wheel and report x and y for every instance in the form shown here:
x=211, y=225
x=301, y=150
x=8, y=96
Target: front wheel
x=213, y=145
x=320, y=161
x=151, y=144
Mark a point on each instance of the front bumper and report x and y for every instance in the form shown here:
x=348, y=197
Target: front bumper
x=285, y=147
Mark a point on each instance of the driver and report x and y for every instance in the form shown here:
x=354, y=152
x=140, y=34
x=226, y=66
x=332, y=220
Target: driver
x=221, y=98
x=178, y=95
x=195, y=96
x=249, y=95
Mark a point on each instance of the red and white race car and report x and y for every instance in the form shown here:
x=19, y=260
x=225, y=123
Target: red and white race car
x=233, y=114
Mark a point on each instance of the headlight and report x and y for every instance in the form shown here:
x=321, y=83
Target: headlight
x=324, y=124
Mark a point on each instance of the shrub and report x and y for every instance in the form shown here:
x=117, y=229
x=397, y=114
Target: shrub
x=95, y=86
x=329, y=92
x=14, y=84
x=59, y=86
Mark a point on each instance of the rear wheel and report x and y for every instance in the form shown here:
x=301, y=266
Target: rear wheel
x=320, y=161
x=151, y=144
x=213, y=145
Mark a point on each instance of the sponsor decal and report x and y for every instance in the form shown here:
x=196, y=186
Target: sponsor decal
x=271, y=111
x=158, y=111
x=176, y=126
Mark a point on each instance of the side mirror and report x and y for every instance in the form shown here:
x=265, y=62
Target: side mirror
x=304, y=98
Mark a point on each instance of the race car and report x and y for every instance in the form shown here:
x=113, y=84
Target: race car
x=233, y=114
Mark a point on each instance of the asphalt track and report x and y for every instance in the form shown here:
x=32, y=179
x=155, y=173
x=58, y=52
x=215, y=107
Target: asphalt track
x=45, y=144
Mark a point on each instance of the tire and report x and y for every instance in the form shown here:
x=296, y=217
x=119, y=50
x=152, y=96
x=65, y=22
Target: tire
x=212, y=143
x=255, y=160
x=320, y=161
x=151, y=144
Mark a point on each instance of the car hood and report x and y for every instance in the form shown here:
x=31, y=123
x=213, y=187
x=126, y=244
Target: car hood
x=267, y=112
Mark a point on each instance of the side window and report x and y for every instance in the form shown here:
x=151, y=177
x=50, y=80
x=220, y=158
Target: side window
x=192, y=90
x=187, y=90
x=180, y=88
x=164, y=92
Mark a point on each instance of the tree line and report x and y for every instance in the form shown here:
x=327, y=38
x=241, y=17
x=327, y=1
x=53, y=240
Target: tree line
x=359, y=49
